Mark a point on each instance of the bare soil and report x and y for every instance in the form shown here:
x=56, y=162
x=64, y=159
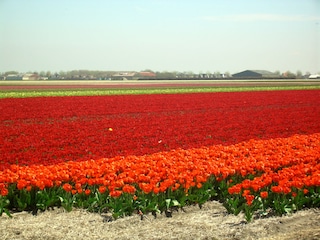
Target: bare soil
x=210, y=222
x=74, y=84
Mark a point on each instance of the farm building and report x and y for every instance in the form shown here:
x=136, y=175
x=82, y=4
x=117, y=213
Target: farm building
x=13, y=77
x=123, y=76
x=145, y=75
x=314, y=76
x=30, y=76
x=255, y=74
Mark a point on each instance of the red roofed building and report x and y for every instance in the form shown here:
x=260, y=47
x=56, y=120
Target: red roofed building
x=146, y=75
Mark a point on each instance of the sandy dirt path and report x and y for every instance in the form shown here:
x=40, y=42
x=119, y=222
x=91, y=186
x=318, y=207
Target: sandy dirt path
x=210, y=222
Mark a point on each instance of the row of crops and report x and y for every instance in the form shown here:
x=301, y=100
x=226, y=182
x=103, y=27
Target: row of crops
x=257, y=152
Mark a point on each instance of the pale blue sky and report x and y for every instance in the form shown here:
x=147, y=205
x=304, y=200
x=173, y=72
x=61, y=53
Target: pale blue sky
x=162, y=35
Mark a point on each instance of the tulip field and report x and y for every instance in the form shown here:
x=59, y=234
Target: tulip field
x=257, y=152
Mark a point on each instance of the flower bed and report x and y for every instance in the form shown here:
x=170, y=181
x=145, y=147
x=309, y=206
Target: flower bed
x=55, y=129
x=156, y=152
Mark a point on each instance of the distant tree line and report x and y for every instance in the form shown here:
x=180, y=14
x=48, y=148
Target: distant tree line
x=107, y=75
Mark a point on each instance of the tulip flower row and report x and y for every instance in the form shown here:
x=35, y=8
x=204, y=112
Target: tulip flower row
x=289, y=162
x=253, y=168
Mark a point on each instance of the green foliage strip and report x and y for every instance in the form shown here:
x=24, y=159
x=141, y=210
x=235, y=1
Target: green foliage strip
x=161, y=90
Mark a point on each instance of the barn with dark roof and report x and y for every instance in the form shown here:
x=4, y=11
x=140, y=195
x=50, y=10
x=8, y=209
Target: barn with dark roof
x=255, y=74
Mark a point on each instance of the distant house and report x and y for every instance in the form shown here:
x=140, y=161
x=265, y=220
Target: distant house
x=30, y=76
x=123, y=76
x=314, y=76
x=255, y=74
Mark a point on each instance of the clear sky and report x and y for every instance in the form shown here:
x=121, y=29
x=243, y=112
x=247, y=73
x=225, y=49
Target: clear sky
x=161, y=35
